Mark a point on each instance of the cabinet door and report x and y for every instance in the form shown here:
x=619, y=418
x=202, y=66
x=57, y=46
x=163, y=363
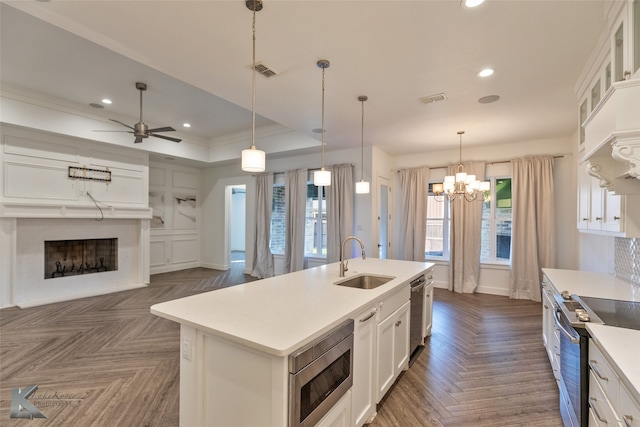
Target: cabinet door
x=401, y=340
x=363, y=405
x=384, y=350
x=427, y=313
x=611, y=215
x=339, y=415
x=584, y=197
x=597, y=200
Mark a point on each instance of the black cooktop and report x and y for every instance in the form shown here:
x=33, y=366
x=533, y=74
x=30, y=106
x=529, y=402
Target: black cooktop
x=623, y=314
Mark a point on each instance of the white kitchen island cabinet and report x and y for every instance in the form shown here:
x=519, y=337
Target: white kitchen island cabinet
x=235, y=342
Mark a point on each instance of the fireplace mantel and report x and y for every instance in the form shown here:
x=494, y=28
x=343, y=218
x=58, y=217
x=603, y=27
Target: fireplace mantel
x=30, y=210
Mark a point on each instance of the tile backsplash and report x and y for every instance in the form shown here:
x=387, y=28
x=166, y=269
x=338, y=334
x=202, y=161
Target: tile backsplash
x=627, y=260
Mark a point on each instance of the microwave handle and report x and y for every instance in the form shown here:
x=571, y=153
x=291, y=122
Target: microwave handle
x=573, y=339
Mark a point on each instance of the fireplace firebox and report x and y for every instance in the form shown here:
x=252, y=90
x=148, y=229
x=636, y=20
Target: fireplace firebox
x=64, y=258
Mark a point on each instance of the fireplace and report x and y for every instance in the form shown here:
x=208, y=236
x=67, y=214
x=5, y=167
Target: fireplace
x=75, y=257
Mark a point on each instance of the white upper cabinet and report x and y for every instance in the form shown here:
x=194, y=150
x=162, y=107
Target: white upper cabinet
x=609, y=100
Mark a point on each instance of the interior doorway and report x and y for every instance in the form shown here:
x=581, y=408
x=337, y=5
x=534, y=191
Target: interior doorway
x=384, y=217
x=237, y=225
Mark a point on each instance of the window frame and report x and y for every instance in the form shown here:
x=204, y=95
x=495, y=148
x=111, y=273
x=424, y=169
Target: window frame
x=446, y=227
x=493, y=259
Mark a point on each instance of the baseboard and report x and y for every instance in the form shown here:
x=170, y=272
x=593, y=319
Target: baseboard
x=36, y=303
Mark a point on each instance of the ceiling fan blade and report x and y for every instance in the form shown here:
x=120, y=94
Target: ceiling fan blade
x=99, y=130
x=163, y=129
x=165, y=137
x=123, y=124
x=138, y=140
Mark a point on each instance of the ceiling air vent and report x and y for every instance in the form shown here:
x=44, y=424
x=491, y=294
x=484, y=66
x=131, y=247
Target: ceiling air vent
x=265, y=71
x=433, y=98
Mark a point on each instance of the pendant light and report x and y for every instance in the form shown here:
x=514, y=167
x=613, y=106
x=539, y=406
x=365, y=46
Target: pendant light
x=362, y=186
x=253, y=160
x=322, y=177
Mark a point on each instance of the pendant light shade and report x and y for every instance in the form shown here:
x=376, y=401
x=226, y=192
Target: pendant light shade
x=253, y=160
x=362, y=186
x=322, y=178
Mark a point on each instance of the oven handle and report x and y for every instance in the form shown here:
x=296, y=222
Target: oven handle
x=573, y=339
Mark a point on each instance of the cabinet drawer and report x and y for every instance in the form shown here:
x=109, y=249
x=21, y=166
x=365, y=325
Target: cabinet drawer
x=393, y=302
x=628, y=408
x=603, y=373
x=599, y=406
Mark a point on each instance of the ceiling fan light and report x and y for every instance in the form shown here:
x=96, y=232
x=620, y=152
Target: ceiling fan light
x=322, y=178
x=362, y=187
x=253, y=160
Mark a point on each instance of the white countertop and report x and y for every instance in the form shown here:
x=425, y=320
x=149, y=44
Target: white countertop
x=280, y=314
x=622, y=346
x=589, y=284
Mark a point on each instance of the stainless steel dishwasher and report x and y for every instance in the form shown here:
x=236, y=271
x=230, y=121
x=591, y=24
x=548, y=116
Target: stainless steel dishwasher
x=416, y=325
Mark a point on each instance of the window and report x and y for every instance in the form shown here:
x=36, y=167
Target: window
x=278, y=218
x=315, y=226
x=496, y=223
x=436, y=244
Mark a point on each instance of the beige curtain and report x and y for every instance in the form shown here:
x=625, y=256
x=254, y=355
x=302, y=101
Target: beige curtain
x=295, y=195
x=413, y=220
x=339, y=209
x=466, y=223
x=533, y=228
x=262, y=256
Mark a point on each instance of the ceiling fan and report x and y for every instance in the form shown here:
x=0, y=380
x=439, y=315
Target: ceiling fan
x=140, y=130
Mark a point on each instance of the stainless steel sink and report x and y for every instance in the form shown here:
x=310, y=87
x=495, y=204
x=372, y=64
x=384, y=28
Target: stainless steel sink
x=365, y=281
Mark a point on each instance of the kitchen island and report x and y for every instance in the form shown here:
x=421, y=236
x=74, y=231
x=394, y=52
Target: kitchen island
x=235, y=341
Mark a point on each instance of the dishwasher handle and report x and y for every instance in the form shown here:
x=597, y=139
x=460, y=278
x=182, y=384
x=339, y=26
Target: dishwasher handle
x=418, y=288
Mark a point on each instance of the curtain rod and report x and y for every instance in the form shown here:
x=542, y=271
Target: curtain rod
x=497, y=162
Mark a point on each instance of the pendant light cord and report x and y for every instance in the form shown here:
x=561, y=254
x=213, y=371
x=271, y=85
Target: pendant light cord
x=362, y=143
x=253, y=86
x=323, y=68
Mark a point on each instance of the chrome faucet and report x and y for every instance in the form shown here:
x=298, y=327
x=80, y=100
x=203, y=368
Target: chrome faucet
x=343, y=263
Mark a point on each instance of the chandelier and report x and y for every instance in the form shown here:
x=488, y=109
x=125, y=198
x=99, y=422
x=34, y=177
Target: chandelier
x=461, y=184
x=253, y=160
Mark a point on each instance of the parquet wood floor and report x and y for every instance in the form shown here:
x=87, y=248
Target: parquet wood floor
x=106, y=361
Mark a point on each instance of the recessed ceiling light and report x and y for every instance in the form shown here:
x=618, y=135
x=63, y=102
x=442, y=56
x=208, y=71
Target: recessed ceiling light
x=187, y=125
x=486, y=72
x=473, y=3
x=488, y=99
x=106, y=101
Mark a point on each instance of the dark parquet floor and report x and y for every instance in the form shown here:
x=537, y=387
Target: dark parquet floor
x=106, y=361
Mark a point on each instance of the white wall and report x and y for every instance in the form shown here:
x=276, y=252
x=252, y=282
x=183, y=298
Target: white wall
x=174, y=238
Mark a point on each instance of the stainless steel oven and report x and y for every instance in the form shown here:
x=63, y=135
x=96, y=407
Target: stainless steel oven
x=570, y=316
x=320, y=373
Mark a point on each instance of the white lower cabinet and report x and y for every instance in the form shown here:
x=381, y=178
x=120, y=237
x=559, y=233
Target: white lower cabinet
x=610, y=402
x=339, y=415
x=392, y=349
x=364, y=359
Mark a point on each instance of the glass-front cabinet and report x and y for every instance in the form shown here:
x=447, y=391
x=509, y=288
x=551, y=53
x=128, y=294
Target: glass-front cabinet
x=617, y=59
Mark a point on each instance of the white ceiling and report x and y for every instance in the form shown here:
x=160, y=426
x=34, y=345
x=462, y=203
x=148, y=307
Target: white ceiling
x=196, y=56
